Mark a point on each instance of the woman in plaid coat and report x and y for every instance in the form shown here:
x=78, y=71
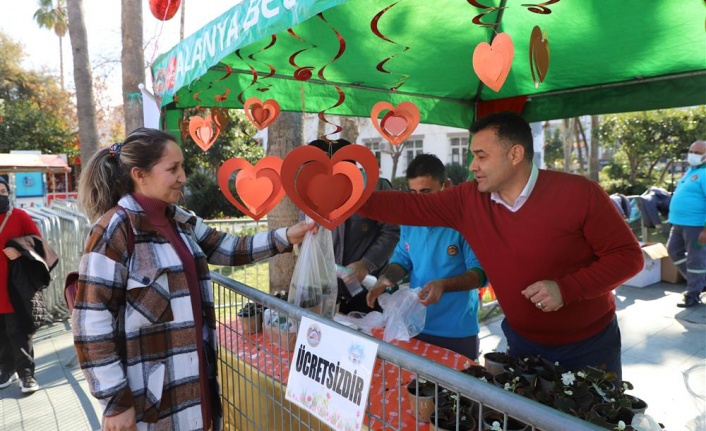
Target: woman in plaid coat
x=143, y=319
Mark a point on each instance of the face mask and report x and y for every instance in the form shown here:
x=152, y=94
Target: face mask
x=694, y=159
x=4, y=203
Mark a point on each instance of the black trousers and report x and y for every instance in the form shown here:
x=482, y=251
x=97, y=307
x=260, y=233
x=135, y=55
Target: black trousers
x=16, y=349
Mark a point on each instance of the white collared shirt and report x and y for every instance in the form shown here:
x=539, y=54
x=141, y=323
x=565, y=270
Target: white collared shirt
x=494, y=196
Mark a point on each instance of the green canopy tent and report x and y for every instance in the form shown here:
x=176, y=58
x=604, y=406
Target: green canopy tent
x=340, y=57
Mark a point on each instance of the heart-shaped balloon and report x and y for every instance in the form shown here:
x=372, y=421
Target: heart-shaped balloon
x=398, y=123
x=259, y=186
x=538, y=56
x=329, y=190
x=203, y=131
x=261, y=114
x=492, y=62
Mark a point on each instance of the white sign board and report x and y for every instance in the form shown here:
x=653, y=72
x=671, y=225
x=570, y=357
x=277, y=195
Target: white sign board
x=330, y=374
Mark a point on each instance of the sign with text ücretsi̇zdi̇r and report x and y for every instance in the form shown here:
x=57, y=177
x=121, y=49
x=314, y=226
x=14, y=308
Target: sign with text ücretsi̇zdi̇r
x=330, y=374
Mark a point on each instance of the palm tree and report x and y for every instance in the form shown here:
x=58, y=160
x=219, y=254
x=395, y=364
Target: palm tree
x=83, y=80
x=53, y=17
x=133, y=62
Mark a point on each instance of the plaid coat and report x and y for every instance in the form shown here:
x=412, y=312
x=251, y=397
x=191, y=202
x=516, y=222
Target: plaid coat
x=132, y=322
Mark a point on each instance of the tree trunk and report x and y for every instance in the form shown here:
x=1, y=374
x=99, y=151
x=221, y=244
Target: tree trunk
x=283, y=135
x=594, y=168
x=568, y=147
x=350, y=130
x=133, y=63
x=320, y=129
x=61, y=61
x=83, y=80
x=580, y=144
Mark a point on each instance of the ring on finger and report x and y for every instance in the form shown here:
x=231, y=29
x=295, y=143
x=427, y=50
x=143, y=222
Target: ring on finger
x=539, y=305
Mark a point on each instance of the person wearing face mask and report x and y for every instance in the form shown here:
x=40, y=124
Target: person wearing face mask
x=16, y=351
x=687, y=214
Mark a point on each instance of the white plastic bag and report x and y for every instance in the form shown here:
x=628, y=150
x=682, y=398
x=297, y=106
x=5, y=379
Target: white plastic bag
x=403, y=314
x=314, y=285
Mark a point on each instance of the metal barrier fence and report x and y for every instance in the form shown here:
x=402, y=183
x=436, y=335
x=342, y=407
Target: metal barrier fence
x=64, y=227
x=253, y=389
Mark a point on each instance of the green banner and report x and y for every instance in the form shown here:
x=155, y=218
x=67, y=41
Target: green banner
x=248, y=22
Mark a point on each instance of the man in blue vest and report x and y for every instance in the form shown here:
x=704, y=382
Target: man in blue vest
x=440, y=261
x=687, y=214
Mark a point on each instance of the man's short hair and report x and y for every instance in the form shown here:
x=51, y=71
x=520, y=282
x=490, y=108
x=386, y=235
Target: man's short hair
x=427, y=165
x=510, y=128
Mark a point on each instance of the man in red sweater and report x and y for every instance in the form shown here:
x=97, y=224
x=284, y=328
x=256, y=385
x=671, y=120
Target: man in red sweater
x=552, y=244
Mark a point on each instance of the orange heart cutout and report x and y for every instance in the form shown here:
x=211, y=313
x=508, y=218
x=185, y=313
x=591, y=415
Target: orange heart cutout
x=398, y=123
x=203, y=131
x=538, y=56
x=312, y=181
x=492, y=62
x=253, y=191
x=259, y=186
x=261, y=114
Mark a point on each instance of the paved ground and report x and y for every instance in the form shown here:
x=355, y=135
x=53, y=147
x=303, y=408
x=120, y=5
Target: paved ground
x=664, y=356
x=664, y=353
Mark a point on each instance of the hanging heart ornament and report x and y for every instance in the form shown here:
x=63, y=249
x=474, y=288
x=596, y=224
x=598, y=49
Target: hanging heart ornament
x=204, y=131
x=398, y=123
x=538, y=56
x=329, y=190
x=258, y=187
x=492, y=62
x=260, y=113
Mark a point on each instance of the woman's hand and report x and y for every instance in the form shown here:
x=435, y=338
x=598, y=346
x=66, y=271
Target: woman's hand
x=295, y=233
x=124, y=421
x=12, y=253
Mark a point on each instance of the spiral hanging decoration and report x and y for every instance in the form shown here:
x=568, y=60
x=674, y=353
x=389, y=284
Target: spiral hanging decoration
x=341, y=94
x=381, y=66
x=540, y=8
x=301, y=73
x=478, y=19
x=256, y=78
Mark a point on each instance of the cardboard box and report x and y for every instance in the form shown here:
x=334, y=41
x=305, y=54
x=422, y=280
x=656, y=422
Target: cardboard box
x=670, y=274
x=652, y=271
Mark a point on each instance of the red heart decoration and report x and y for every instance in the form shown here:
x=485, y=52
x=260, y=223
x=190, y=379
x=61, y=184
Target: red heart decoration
x=203, y=131
x=259, y=186
x=329, y=190
x=398, y=123
x=492, y=62
x=261, y=114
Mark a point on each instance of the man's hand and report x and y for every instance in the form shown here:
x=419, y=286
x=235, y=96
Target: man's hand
x=377, y=290
x=124, y=421
x=295, y=233
x=702, y=237
x=545, y=295
x=11, y=253
x=360, y=269
x=431, y=292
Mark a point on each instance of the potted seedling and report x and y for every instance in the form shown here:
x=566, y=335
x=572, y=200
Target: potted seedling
x=250, y=318
x=421, y=398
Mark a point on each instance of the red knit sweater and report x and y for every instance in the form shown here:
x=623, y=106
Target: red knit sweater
x=567, y=231
x=19, y=224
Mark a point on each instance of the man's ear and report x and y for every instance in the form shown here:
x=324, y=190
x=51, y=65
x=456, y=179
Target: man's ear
x=517, y=152
x=447, y=184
